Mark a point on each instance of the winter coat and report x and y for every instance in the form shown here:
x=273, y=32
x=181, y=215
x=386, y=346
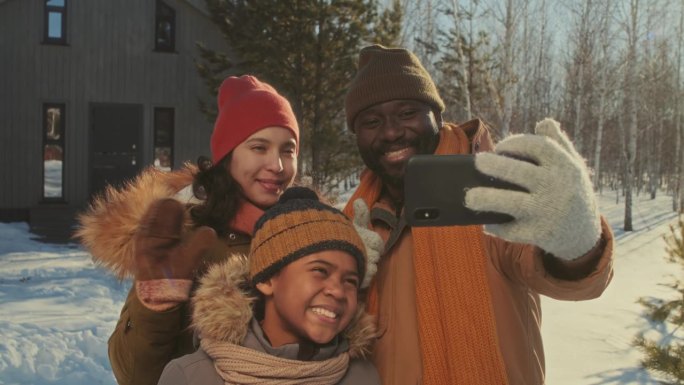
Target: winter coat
x=231, y=318
x=517, y=274
x=144, y=341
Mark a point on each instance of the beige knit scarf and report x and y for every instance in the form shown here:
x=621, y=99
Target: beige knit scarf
x=240, y=365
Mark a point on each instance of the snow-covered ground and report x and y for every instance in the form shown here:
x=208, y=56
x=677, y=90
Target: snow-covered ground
x=588, y=342
x=57, y=309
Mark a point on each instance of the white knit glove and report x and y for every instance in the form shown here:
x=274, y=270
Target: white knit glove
x=374, y=244
x=559, y=214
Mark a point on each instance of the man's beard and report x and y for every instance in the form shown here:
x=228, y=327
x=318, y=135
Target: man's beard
x=425, y=145
x=394, y=182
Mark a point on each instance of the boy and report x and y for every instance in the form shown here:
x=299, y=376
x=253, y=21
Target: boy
x=289, y=311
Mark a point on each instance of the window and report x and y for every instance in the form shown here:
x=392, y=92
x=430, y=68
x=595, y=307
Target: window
x=165, y=28
x=53, y=151
x=163, y=138
x=54, y=25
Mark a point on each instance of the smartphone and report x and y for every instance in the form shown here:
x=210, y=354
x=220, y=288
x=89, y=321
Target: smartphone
x=435, y=187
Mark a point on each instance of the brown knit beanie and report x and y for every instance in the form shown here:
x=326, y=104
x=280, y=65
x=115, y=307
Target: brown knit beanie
x=299, y=225
x=388, y=74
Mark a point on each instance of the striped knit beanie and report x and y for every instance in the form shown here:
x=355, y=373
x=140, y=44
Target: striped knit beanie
x=297, y=226
x=386, y=74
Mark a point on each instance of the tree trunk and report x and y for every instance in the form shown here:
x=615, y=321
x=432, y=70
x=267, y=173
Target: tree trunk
x=678, y=195
x=507, y=70
x=542, y=88
x=678, y=182
x=464, y=65
x=317, y=161
x=577, y=133
x=657, y=169
x=599, y=133
x=632, y=112
x=604, y=73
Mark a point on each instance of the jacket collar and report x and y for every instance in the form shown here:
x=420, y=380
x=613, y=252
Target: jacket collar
x=255, y=339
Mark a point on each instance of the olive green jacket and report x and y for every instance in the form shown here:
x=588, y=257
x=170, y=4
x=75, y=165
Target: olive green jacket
x=144, y=341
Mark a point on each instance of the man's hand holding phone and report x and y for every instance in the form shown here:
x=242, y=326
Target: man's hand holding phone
x=558, y=213
x=435, y=188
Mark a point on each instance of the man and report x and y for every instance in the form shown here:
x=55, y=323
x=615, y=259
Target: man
x=460, y=304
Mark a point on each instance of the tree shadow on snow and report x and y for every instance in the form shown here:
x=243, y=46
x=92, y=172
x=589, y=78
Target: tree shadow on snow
x=629, y=376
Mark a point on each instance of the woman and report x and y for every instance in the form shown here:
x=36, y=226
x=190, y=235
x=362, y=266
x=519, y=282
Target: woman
x=166, y=229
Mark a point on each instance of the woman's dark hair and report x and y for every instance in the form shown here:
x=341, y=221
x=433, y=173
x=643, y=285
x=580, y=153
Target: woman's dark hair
x=220, y=192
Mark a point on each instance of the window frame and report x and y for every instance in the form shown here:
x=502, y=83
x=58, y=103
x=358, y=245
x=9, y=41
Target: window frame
x=159, y=6
x=155, y=138
x=47, y=141
x=47, y=10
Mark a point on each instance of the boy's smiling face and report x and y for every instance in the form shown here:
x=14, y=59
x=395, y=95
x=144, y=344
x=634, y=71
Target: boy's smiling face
x=312, y=299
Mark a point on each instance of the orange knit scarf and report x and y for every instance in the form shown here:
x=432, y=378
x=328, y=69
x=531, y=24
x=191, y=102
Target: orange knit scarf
x=457, y=330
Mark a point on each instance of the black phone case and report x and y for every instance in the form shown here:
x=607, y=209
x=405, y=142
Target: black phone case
x=434, y=191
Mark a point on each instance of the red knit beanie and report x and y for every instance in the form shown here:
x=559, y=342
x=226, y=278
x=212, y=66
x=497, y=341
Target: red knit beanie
x=245, y=106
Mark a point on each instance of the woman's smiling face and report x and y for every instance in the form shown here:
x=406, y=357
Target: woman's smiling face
x=265, y=164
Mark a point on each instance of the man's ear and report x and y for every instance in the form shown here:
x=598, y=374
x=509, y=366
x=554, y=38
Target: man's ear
x=438, y=119
x=266, y=288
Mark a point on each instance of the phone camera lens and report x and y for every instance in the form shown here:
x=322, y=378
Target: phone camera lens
x=426, y=214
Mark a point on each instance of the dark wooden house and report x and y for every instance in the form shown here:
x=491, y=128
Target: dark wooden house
x=92, y=91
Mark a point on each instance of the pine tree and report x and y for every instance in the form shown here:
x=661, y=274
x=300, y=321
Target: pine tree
x=462, y=67
x=307, y=50
x=666, y=356
x=389, y=26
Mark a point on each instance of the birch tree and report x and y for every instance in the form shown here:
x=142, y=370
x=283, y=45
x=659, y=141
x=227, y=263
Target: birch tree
x=421, y=30
x=678, y=195
x=507, y=76
x=464, y=64
x=543, y=70
x=463, y=53
x=605, y=84
x=533, y=90
x=658, y=86
x=631, y=26
x=603, y=71
x=581, y=66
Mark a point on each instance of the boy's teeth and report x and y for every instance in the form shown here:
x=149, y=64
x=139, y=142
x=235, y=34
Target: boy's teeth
x=324, y=312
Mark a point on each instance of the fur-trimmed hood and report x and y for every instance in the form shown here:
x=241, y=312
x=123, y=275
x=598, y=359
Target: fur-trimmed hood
x=108, y=226
x=222, y=309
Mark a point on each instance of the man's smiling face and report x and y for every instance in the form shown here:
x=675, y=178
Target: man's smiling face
x=389, y=133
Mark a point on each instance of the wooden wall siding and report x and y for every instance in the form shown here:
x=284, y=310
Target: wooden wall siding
x=109, y=58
